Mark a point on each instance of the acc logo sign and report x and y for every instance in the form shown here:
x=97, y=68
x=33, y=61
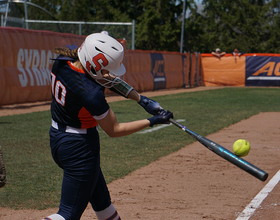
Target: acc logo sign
x=262, y=71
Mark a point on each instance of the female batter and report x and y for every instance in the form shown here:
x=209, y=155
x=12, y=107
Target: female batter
x=79, y=78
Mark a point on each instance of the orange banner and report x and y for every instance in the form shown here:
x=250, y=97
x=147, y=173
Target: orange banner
x=186, y=70
x=174, y=70
x=198, y=70
x=138, y=70
x=25, y=65
x=225, y=71
x=152, y=70
x=193, y=69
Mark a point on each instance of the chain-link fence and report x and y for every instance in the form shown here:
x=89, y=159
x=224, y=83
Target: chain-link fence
x=118, y=30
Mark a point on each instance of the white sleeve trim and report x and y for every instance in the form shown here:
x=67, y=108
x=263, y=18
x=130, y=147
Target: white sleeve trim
x=101, y=116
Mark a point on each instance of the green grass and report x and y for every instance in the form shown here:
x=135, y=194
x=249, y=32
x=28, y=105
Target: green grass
x=35, y=180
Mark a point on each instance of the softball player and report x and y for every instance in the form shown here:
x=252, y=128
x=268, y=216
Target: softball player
x=79, y=78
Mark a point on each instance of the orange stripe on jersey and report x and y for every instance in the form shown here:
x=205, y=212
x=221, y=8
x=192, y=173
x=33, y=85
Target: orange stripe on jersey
x=86, y=119
x=75, y=68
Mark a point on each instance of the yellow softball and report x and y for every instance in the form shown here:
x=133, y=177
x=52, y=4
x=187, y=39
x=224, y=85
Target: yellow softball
x=241, y=147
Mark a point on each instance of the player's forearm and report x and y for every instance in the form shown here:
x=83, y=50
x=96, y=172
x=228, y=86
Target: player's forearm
x=114, y=129
x=127, y=128
x=134, y=95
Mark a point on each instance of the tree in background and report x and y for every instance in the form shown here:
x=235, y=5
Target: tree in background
x=229, y=24
x=249, y=25
x=158, y=26
x=273, y=24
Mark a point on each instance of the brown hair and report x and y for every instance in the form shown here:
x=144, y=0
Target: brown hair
x=67, y=52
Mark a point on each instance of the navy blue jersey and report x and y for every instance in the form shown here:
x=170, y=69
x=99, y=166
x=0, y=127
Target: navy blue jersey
x=76, y=97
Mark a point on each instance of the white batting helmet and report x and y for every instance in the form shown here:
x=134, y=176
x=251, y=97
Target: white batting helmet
x=101, y=51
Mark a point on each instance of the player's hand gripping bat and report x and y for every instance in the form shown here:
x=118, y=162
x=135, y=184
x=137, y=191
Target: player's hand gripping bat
x=224, y=153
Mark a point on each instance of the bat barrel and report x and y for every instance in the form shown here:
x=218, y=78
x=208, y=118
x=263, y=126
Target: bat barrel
x=224, y=153
x=231, y=157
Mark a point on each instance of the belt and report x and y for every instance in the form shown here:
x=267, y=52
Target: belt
x=68, y=129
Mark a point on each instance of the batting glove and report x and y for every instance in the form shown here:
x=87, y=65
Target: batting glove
x=162, y=118
x=151, y=106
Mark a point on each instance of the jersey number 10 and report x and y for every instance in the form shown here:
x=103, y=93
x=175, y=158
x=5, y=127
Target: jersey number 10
x=58, y=90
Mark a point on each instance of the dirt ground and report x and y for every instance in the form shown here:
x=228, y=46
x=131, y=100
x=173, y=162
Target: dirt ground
x=192, y=183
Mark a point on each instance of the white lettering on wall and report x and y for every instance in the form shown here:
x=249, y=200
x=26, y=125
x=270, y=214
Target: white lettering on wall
x=35, y=67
